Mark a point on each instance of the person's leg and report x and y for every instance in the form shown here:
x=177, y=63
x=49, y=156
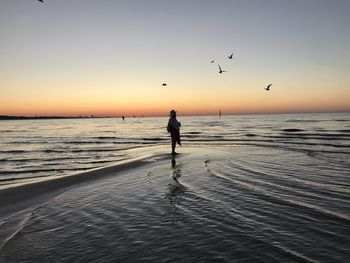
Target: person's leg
x=173, y=141
x=173, y=146
x=176, y=137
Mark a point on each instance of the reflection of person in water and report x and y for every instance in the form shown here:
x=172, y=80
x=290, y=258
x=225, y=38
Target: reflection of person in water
x=174, y=129
x=176, y=169
x=175, y=189
x=173, y=163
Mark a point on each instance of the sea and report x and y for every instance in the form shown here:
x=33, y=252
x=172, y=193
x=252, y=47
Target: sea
x=257, y=188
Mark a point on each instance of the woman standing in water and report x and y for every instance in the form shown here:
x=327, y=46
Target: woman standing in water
x=174, y=129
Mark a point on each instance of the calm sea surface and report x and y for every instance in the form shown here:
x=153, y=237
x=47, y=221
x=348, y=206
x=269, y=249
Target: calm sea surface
x=279, y=192
x=36, y=148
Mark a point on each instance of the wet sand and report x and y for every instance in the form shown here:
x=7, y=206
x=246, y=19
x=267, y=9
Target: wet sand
x=227, y=205
x=23, y=195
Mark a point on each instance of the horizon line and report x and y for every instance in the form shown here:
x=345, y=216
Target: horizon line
x=86, y=116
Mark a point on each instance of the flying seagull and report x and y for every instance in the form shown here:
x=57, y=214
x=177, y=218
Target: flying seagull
x=212, y=61
x=220, y=70
x=164, y=84
x=268, y=87
x=230, y=56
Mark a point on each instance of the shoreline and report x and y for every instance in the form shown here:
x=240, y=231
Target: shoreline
x=19, y=197
x=22, y=196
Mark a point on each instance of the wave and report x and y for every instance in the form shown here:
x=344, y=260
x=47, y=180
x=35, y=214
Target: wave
x=264, y=194
x=78, y=150
x=19, y=131
x=39, y=159
x=27, y=142
x=86, y=142
x=323, y=134
x=155, y=139
x=50, y=160
x=310, y=137
x=315, y=121
x=207, y=137
x=292, y=130
x=272, y=140
x=346, y=131
x=21, y=160
x=34, y=171
x=13, y=227
x=52, y=151
x=341, y=120
x=13, y=151
x=313, y=144
x=311, y=121
x=250, y=135
x=98, y=162
x=281, y=145
x=136, y=141
x=216, y=124
x=226, y=140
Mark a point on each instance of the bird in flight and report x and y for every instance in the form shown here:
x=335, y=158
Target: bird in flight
x=268, y=87
x=164, y=84
x=220, y=70
x=212, y=61
x=230, y=56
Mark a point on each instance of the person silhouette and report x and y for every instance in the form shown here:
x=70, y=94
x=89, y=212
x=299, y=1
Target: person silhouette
x=174, y=129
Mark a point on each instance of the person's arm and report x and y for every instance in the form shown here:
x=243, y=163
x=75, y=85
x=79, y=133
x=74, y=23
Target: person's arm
x=174, y=124
x=168, y=128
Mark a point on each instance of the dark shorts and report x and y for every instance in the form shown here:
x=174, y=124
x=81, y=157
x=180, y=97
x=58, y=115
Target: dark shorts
x=175, y=136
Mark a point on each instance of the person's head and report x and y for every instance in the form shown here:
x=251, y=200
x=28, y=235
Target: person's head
x=172, y=113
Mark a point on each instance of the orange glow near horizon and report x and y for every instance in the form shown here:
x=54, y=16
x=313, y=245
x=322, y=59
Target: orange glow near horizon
x=106, y=102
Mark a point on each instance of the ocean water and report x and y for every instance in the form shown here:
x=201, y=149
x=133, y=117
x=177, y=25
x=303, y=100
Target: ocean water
x=248, y=188
x=38, y=148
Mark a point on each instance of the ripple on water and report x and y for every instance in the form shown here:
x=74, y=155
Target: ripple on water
x=220, y=209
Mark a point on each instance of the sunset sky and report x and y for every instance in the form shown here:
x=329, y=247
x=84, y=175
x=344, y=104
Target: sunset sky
x=110, y=57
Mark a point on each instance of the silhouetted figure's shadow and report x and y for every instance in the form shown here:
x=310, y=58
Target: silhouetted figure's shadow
x=173, y=162
x=175, y=190
x=176, y=169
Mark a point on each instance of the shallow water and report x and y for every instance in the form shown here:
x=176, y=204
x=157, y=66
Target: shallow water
x=272, y=188
x=245, y=205
x=32, y=149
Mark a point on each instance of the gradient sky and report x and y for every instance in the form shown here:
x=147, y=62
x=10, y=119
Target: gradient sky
x=110, y=57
